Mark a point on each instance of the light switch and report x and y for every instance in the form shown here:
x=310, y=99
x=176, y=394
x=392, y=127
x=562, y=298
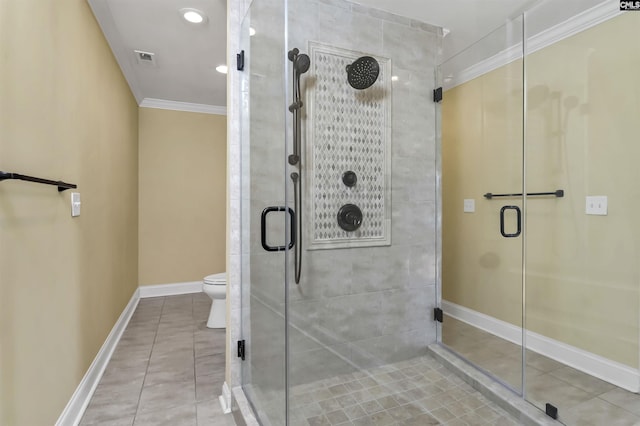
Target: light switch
x=469, y=205
x=596, y=205
x=75, y=204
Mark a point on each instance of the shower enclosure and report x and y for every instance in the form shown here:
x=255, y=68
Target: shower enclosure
x=353, y=233
x=339, y=189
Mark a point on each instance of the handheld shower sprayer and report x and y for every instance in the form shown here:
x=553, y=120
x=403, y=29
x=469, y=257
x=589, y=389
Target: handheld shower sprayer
x=301, y=64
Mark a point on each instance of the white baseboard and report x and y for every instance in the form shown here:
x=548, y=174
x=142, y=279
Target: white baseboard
x=484, y=322
x=170, y=289
x=225, y=398
x=603, y=368
x=73, y=412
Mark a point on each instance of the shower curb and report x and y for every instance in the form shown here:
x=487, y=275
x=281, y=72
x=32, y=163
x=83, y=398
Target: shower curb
x=524, y=412
x=243, y=414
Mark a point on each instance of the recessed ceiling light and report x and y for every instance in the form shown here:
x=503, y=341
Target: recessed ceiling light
x=252, y=31
x=394, y=78
x=194, y=16
x=222, y=69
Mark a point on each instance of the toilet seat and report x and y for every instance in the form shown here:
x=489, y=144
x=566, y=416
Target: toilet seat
x=216, y=279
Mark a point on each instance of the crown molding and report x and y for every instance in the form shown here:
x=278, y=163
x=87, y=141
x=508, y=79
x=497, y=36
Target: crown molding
x=183, y=106
x=578, y=23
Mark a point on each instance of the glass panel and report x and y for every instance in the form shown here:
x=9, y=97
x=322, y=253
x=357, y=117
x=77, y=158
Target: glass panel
x=263, y=158
x=360, y=318
x=482, y=125
x=582, y=271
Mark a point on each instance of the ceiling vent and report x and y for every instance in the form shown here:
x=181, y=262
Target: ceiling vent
x=145, y=58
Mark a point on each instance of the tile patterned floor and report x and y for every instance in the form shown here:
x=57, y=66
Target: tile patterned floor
x=419, y=392
x=168, y=368
x=581, y=399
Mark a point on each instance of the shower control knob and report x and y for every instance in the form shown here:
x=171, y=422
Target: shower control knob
x=349, y=178
x=353, y=219
x=349, y=217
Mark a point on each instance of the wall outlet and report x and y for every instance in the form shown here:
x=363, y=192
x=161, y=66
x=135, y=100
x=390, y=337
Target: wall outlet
x=75, y=204
x=469, y=205
x=596, y=205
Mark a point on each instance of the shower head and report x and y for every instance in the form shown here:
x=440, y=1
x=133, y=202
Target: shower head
x=301, y=63
x=363, y=72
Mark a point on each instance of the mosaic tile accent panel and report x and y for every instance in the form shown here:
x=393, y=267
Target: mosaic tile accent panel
x=348, y=130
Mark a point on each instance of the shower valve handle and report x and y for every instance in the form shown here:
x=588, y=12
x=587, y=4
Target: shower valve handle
x=349, y=217
x=353, y=219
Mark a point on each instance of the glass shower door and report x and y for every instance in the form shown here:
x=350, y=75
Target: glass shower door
x=266, y=213
x=349, y=337
x=582, y=270
x=482, y=185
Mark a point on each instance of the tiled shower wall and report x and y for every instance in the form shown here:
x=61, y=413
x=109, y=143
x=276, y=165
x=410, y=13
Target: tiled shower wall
x=357, y=307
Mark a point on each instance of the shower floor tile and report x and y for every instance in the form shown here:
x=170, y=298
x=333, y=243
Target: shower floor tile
x=420, y=391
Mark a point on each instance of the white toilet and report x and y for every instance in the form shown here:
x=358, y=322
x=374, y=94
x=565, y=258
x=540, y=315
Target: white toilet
x=215, y=286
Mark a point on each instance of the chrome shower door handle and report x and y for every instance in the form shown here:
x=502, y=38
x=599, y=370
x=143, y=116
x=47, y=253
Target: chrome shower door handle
x=263, y=228
x=518, y=219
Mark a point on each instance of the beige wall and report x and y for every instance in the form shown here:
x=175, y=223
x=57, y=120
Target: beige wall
x=65, y=113
x=482, y=152
x=182, y=196
x=583, y=274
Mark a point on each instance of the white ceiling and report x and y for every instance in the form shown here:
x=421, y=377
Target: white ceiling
x=467, y=20
x=186, y=55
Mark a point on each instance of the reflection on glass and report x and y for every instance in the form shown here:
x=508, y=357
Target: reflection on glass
x=482, y=124
x=582, y=273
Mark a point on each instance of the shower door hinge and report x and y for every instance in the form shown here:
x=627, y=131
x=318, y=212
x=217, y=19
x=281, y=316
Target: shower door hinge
x=551, y=411
x=241, y=349
x=437, y=94
x=240, y=60
x=438, y=315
